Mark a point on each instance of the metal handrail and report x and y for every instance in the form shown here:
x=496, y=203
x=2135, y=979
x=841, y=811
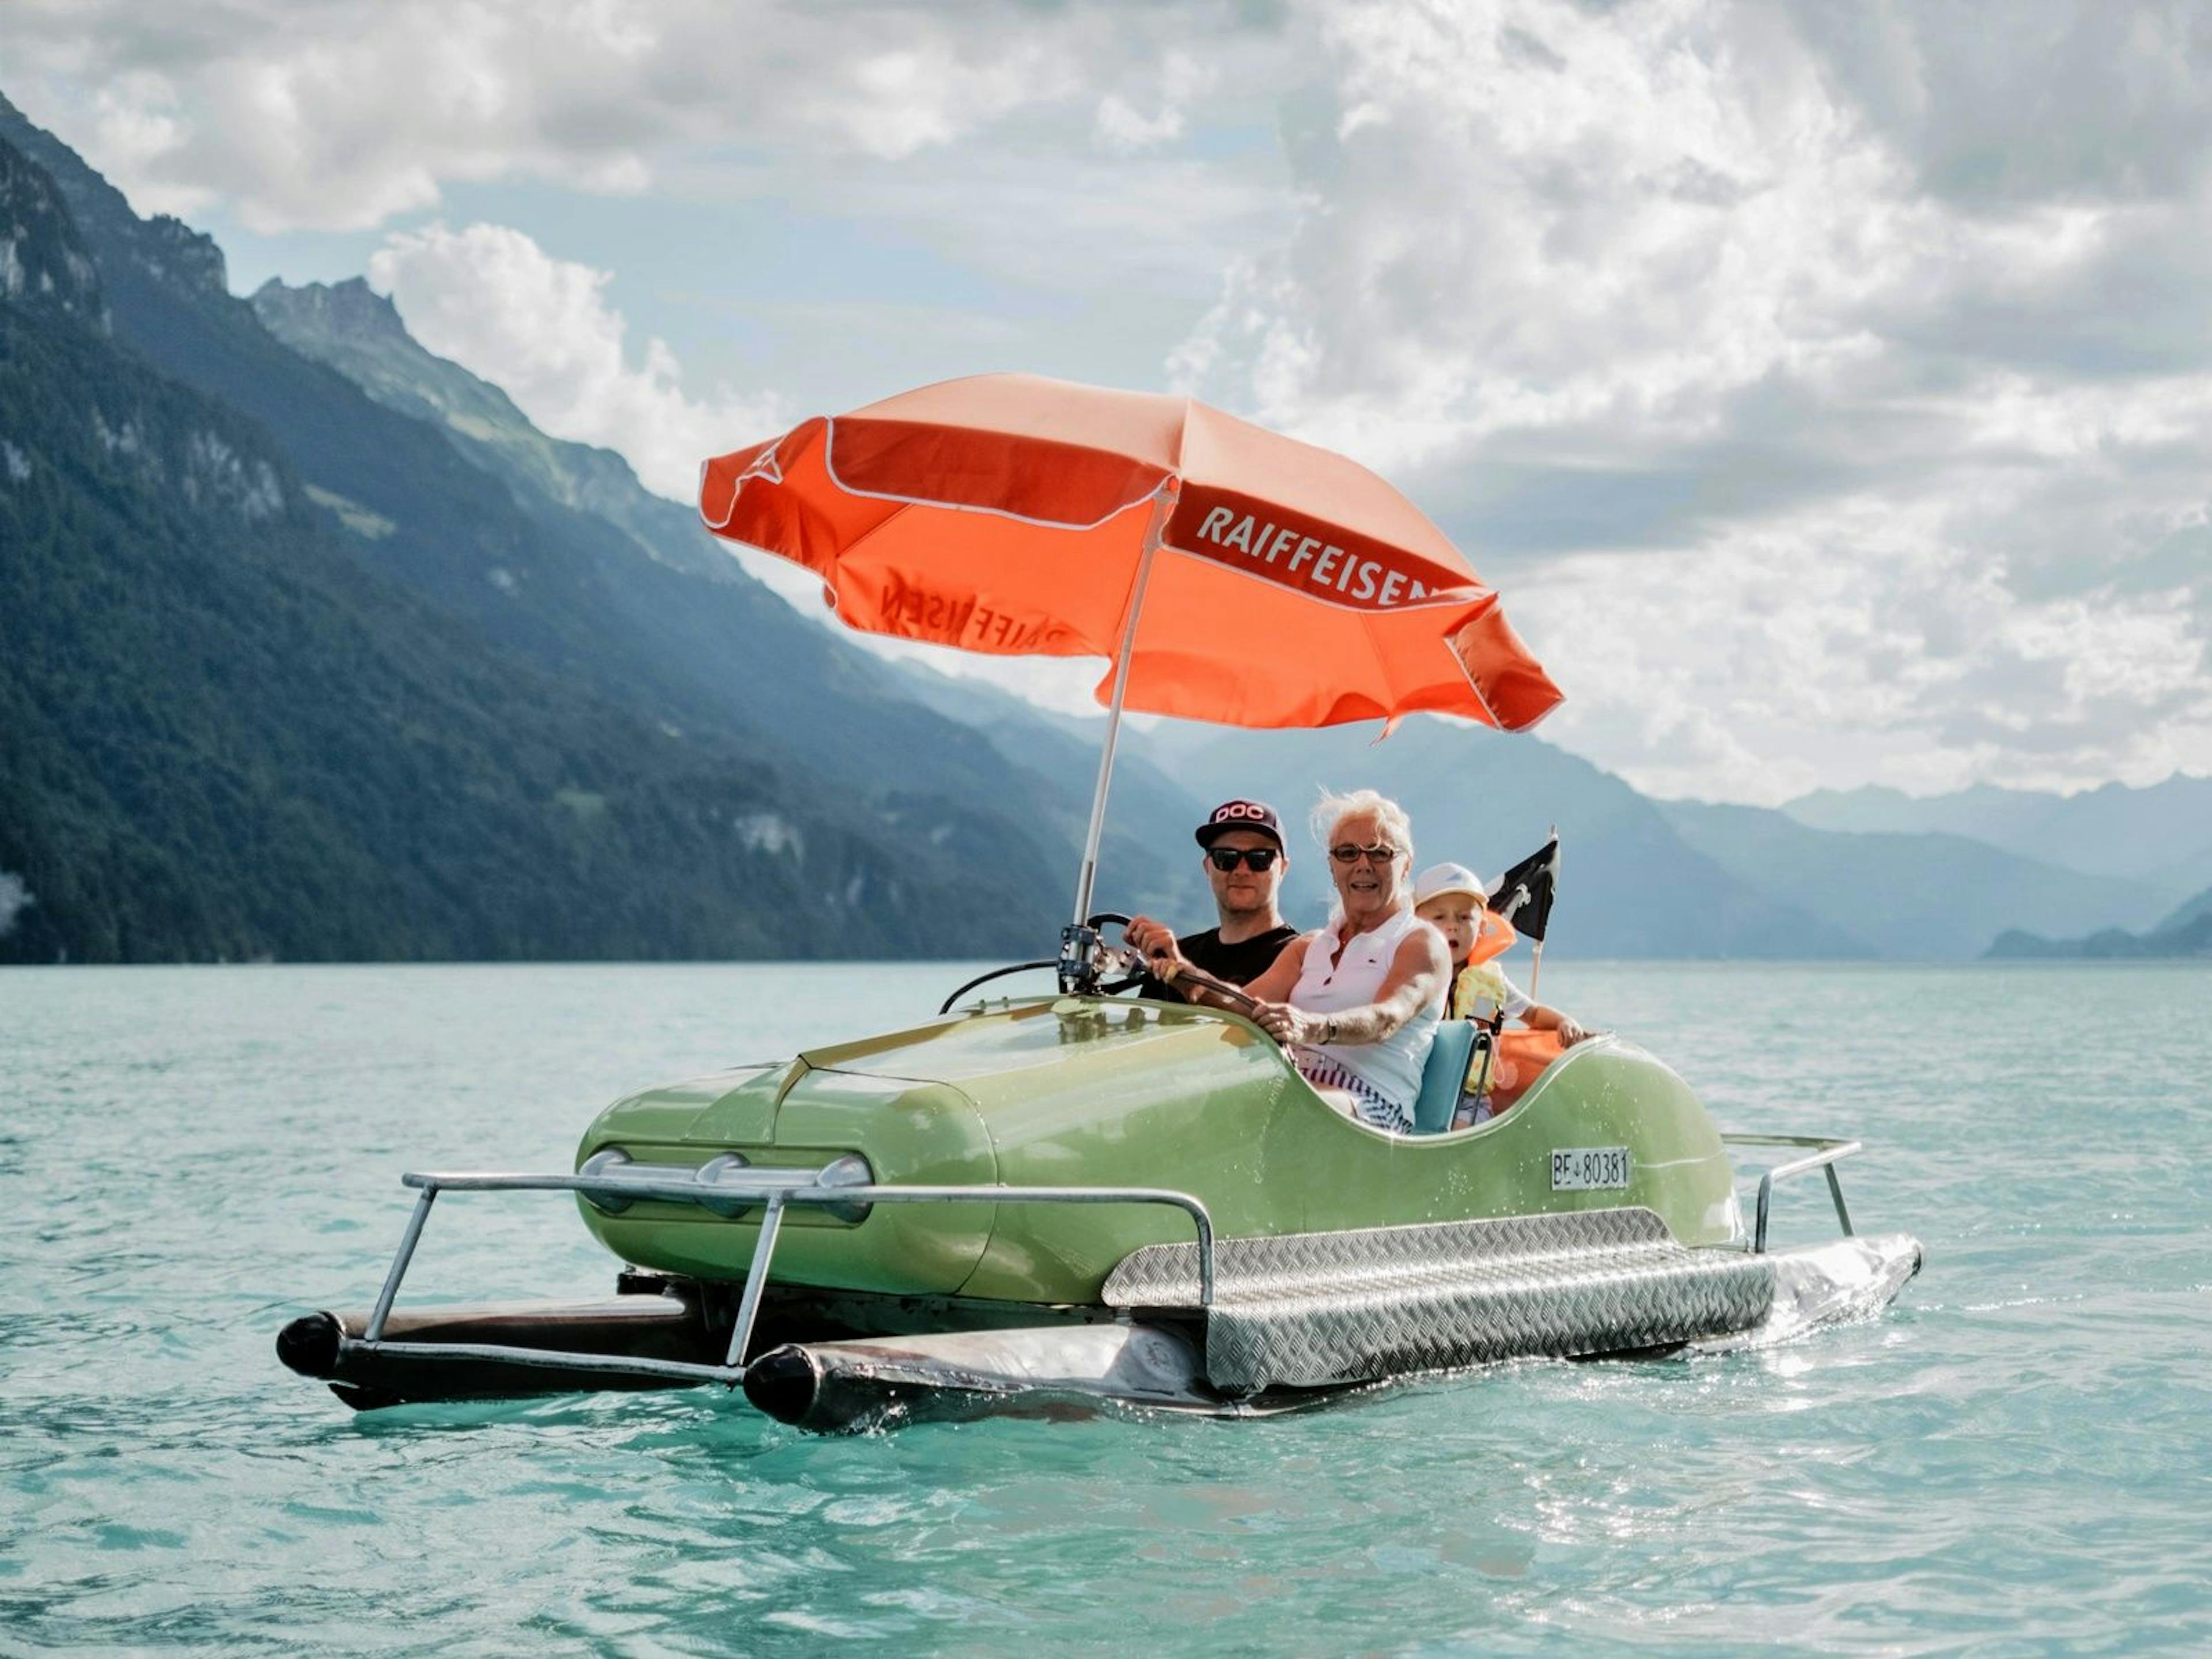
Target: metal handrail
x=777, y=1188
x=1823, y=1153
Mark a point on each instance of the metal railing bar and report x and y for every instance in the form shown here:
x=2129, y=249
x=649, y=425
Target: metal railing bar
x=548, y=1359
x=1813, y=1160
x=771, y=1224
x=794, y=1186
x=408, y=1241
x=799, y=1190
x=1827, y=1151
x=1836, y=1192
x=649, y=1180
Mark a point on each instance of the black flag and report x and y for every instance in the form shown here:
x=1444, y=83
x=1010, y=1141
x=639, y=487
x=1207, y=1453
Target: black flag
x=1524, y=894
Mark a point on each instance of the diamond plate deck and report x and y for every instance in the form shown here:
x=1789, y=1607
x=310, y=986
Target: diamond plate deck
x=1309, y=1310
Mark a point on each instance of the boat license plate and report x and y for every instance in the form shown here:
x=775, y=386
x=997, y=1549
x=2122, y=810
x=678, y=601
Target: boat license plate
x=1583, y=1169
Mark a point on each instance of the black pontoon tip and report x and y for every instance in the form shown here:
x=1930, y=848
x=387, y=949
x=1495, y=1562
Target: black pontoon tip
x=309, y=1345
x=783, y=1383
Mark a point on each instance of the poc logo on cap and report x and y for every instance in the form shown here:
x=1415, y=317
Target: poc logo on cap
x=1238, y=811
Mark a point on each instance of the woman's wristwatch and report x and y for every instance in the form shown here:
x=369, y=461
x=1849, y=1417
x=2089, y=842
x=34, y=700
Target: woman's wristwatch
x=1328, y=1029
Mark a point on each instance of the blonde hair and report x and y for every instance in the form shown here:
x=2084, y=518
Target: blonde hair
x=1334, y=809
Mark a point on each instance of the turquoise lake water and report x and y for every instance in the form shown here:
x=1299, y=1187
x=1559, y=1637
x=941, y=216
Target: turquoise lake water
x=2016, y=1458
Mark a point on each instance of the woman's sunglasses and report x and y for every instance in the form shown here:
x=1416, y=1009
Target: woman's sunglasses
x=1345, y=852
x=1253, y=858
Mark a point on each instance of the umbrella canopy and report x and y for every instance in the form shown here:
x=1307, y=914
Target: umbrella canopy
x=1014, y=515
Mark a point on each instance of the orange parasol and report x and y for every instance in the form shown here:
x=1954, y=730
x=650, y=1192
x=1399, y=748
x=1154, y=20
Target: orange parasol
x=1015, y=515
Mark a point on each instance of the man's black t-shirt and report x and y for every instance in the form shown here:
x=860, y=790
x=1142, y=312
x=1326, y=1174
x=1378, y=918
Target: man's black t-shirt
x=1239, y=964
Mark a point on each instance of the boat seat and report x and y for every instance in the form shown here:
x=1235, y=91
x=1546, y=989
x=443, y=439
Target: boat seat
x=1443, y=1077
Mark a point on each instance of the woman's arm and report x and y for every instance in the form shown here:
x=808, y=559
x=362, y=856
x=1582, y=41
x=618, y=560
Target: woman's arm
x=1417, y=978
x=1282, y=974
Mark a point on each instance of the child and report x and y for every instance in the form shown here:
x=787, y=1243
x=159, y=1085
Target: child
x=1451, y=898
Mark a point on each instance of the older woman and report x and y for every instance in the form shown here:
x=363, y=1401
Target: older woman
x=1355, y=1003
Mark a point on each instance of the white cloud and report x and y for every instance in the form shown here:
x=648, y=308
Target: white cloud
x=1808, y=447
x=337, y=116
x=540, y=328
x=1854, y=641
x=1122, y=128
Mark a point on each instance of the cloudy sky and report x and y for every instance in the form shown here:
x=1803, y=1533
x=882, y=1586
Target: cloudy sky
x=1828, y=387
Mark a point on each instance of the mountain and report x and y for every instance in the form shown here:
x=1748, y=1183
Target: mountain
x=572, y=590
x=1921, y=896
x=222, y=735
x=551, y=559
x=866, y=722
x=2186, y=912
x=1630, y=885
x=2162, y=834
x=1148, y=861
x=359, y=332
x=2186, y=934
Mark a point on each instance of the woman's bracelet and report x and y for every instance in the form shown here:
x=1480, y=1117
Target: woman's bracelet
x=1328, y=1029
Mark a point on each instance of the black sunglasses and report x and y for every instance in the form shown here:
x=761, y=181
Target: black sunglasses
x=1253, y=858
x=1345, y=852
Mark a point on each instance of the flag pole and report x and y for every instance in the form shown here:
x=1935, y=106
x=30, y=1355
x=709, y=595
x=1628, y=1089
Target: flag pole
x=1163, y=500
x=1536, y=961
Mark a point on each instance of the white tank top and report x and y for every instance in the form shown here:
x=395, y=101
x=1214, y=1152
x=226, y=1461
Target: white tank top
x=1353, y=979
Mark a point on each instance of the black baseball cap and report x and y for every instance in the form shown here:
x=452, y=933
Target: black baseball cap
x=1254, y=815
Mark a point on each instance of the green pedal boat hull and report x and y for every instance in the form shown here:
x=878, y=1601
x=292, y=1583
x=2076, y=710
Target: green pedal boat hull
x=1098, y=1092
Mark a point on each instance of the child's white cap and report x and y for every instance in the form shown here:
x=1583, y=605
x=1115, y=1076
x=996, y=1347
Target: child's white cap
x=1440, y=878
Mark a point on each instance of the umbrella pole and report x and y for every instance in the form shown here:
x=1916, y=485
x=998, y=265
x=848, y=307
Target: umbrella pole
x=1163, y=500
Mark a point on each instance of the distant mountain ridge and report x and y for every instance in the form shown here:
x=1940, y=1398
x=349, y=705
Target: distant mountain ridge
x=2186, y=934
x=1927, y=896
x=2160, y=835
x=1630, y=885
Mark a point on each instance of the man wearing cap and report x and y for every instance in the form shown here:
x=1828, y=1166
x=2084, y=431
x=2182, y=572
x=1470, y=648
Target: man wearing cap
x=1244, y=864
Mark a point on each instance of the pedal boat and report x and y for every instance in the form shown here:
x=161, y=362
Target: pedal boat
x=1078, y=1203
x=1073, y=1202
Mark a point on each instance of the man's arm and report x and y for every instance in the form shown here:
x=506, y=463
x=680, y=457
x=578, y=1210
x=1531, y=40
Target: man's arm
x=1170, y=968
x=1155, y=942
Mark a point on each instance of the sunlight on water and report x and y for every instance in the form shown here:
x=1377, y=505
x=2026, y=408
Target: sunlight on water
x=2014, y=1458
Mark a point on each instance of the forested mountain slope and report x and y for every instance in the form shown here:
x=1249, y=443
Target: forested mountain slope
x=551, y=552
x=226, y=733
x=867, y=723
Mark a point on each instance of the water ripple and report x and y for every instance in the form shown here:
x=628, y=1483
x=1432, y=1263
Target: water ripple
x=2011, y=1461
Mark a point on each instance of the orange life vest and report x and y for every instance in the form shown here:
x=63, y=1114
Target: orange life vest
x=1493, y=936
